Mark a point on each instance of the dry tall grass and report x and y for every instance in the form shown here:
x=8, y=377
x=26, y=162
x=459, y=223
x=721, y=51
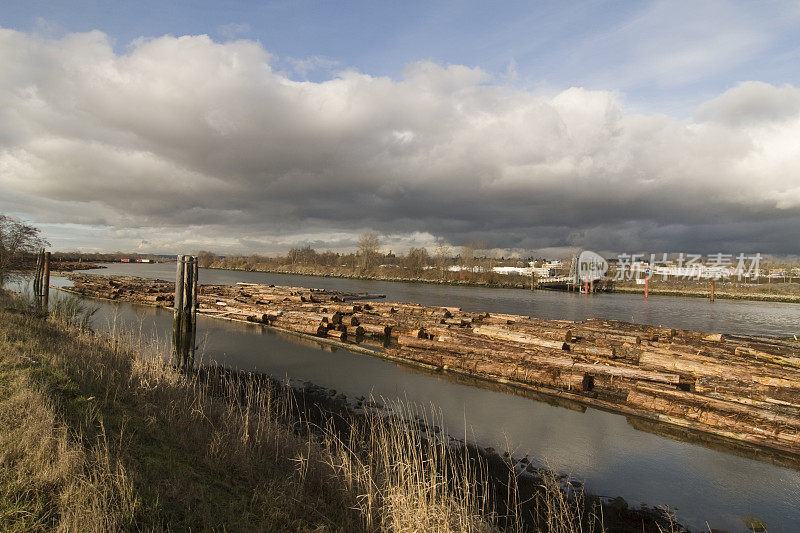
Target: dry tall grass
x=104, y=434
x=49, y=480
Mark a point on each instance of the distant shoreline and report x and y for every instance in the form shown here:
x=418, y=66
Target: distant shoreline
x=779, y=298
x=678, y=292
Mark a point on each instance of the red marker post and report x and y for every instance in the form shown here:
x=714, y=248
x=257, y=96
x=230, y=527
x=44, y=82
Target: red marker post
x=646, y=287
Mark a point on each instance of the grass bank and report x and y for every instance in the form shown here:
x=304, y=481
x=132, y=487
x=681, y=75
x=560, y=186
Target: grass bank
x=102, y=434
x=98, y=437
x=761, y=292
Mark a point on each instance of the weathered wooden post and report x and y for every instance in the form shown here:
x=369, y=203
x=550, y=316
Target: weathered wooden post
x=177, y=322
x=193, y=336
x=46, y=281
x=185, y=309
x=711, y=296
x=533, y=281
x=646, y=287
x=37, y=279
x=188, y=305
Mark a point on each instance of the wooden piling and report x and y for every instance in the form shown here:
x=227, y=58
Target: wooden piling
x=193, y=336
x=177, y=322
x=711, y=296
x=646, y=287
x=37, y=278
x=189, y=294
x=185, y=309
x=46, y=280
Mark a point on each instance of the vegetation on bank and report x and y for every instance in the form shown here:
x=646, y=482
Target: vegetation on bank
x=100, y=434
x=417, y=265
x=18, y=243
x=777, y=291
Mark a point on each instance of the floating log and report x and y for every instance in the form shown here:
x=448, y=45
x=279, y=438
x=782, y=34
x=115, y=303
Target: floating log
x=376, y=330
x=516, y=336
x=337, y=334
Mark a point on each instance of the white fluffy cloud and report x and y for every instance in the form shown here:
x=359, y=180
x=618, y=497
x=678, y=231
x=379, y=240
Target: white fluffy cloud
x=186, y=141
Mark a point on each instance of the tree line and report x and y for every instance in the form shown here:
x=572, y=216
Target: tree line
x=468, y=263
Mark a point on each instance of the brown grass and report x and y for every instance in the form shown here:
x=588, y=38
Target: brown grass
x=101, y=434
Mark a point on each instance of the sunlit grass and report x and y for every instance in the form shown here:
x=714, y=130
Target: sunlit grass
x=103, y=433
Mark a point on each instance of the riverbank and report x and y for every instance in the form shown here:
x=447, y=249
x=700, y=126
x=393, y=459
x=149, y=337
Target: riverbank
x=776, y=292
x=101, y=434
x=97, y=435
x=432, y=277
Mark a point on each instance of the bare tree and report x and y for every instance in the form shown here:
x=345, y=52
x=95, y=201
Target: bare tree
x=205, y=258
x=17, y=240
x=442, y=253
x=417, y=260
x=468, y=256
x=368, y=245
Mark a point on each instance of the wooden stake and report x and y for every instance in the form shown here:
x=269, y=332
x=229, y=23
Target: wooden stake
x=193, y=335
x=177, y=321
x=46, y=281
x=37, y=278
x=646, y=287
x=187, y=307
x=713, y=281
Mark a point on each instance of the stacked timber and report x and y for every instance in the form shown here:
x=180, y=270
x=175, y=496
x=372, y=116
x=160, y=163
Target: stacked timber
x=741, y=387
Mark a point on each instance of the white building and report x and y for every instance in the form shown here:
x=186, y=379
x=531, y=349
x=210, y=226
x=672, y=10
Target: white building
x=524, y=271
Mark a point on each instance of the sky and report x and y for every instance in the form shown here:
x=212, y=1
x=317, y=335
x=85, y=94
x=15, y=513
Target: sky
x=526, y=127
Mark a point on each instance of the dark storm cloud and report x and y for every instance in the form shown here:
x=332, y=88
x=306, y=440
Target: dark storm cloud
x=184, y=141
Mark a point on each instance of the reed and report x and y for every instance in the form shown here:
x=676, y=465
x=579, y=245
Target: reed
x=104, y=433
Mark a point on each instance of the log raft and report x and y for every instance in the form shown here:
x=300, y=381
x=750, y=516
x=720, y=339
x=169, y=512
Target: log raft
x=745, y=388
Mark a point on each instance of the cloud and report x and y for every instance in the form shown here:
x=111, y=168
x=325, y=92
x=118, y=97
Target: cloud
x=233, y=30
x=752, y=103
x=306, y=65
x=184, y=142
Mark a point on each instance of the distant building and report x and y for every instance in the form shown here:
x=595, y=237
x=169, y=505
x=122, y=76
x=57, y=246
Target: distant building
x=548, y=269
x=524, y=271
x=459, y=268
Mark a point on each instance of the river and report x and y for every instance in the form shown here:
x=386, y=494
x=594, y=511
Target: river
x=722, y=316
x=707, y=485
